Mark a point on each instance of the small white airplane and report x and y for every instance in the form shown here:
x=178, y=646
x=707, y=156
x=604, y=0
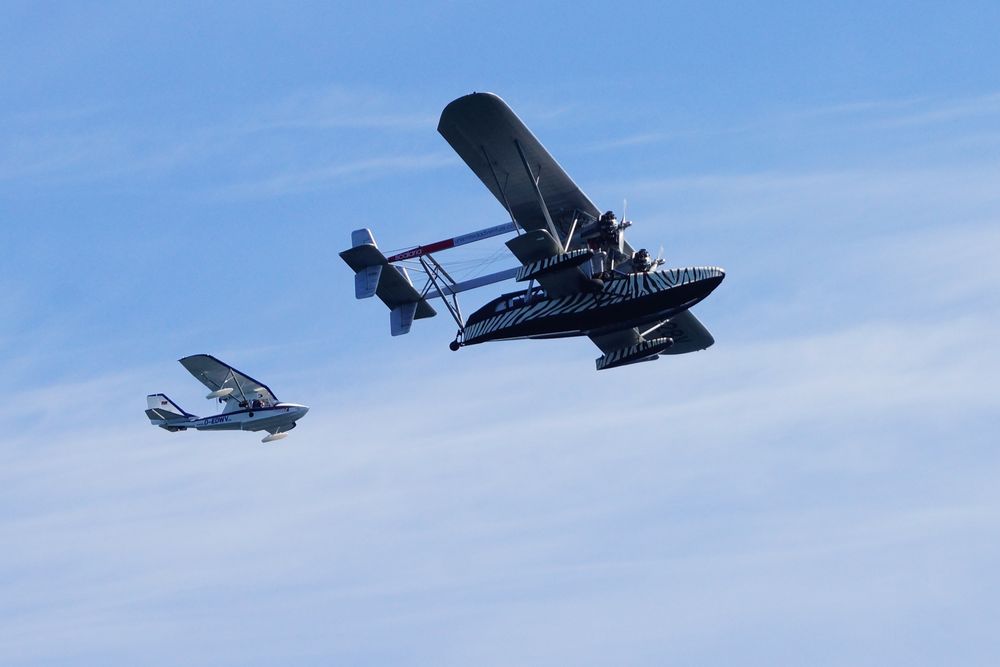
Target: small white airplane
x=250, y=405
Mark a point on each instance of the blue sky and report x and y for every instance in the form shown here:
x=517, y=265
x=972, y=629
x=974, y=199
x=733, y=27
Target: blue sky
x=817, y=488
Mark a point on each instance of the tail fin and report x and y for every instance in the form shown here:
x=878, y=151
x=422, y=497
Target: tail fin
x=161, y=411
x=374, y=275
x=367, y=261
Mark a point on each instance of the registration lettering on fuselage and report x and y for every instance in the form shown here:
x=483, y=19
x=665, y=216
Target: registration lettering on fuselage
x=216, y=420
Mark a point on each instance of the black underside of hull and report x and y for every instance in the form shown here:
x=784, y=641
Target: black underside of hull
x=604, y=315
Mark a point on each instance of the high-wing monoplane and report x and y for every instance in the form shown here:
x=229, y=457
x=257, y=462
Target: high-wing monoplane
x=249, y=404
x=583, y=278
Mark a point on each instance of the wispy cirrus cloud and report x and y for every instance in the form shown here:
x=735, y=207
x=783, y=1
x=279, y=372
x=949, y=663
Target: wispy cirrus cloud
x=946, y=111
x=305, y=180
x=333, y=107
x=893, y=115
x=111, y=142
x=641, y=139
x=874, y=198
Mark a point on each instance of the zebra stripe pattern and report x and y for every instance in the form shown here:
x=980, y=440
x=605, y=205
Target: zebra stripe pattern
x=574, y=258
x=637, y=352
x=638, y=284
x=616, y=291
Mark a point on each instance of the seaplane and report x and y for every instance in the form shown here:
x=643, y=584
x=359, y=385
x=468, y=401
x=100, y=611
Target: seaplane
x=249, y=404
x=582, y=277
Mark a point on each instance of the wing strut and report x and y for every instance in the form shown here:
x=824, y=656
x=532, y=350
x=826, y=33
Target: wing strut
x=502, y=189
x=454, y=242
x=238, y=385
x=435, y=272
x=538, y=193
x=572, y=230
x=473, y=283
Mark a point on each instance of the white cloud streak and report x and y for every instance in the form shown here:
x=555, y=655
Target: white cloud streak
x=305, y=180
x=93, y=144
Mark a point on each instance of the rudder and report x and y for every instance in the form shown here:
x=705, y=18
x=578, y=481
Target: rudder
x=161, y=410
x=375, y=276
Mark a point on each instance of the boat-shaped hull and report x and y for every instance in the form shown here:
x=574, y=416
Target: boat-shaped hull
x=629, y=300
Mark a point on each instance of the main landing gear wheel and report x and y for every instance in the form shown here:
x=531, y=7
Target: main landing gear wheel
x=454, y=345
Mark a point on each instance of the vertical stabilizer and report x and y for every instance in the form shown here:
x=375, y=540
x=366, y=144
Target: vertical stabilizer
x=162, y=411
x=374, y=275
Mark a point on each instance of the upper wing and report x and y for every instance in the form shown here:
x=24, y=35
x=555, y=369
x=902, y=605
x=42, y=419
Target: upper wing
x=485, y=132
x=489, y=136
x=216, y=375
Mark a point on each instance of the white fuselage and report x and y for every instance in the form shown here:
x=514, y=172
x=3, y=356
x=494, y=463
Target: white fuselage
x=249, y=419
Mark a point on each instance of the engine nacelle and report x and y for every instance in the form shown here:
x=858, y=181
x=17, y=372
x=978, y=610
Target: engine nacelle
x=221, y=393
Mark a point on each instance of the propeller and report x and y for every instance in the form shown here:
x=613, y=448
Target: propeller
x=625, y=222
x=621, y=226
x=616, y=255
x=659, y=261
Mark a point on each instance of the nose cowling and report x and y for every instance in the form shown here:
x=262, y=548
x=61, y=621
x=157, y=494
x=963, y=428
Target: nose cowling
x=301, y=410
x=712, y=276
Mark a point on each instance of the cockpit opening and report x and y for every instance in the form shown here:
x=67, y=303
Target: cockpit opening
x=506, y=302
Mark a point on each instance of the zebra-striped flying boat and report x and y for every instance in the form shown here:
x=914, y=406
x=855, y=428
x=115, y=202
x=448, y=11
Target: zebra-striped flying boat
x=583, y=278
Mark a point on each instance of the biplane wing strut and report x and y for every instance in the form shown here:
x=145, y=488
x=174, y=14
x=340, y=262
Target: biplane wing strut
x=394, y=287
x=551, y=226
x=473, y=283
x=453, y=242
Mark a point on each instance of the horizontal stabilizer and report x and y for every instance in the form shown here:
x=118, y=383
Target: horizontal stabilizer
x=374, y=275
x=646, y=350
x=395, y=289
x=362, y=256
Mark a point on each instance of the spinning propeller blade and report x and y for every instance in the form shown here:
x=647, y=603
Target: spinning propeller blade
x=659, y=259
x=621, y=227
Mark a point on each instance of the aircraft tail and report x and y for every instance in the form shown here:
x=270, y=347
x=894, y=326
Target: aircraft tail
x=374, y=275
x=165, y=413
